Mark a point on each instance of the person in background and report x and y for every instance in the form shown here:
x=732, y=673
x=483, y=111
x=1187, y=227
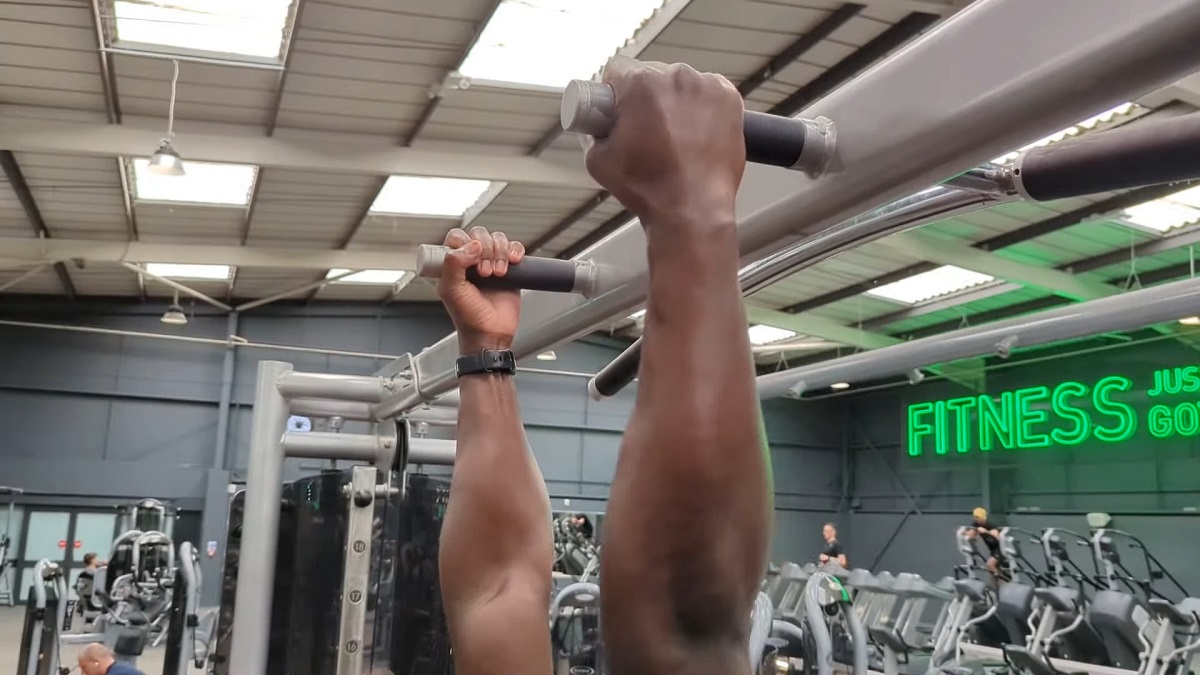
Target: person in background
x=85, y=583
x=990, y=535
x=833, y=548
x=96, y=659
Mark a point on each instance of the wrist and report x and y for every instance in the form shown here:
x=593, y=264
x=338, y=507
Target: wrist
x=473, y=344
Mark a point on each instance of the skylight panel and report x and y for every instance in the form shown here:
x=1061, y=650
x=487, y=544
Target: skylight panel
x=935, y=283
x=1167, y=213
x=380, y=277
x=1123, y=110
x=189, y=272
x=548, y=43
x=204, y=183
x=762, y=334
x=425, y=196
x=244, y=27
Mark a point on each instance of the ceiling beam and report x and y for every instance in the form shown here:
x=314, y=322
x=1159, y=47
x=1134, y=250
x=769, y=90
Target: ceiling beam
x=1034, y=230
x=943, y=251
x=111, y=140
x=1185, y=237
x=815, y=326
x=958, y=300
x=16, y=252
x=16, y=181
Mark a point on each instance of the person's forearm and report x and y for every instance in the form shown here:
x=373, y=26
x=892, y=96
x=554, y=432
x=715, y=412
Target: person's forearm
x=691, y=485
x=498, y=517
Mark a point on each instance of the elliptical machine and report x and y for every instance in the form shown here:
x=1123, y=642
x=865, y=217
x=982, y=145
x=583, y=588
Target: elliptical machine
x=1059, y=627
x=815, y=626
x=1142, y=628
x=45, y=615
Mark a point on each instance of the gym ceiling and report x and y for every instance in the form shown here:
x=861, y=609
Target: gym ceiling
x=291, y=121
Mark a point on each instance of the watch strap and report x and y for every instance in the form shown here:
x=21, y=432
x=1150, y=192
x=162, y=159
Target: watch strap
x=488, y=361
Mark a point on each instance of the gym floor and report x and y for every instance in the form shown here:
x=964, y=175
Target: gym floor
x=11, y=622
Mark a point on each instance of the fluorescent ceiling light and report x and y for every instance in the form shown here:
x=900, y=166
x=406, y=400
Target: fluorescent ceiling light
x=186, y=271
x=838, y=386
x=204, y=183
x=367, y=276
x=932, y=284
x=1190, y=321
x=243, y=27
x=423, y=196
x=1123, y=110
x=547, y=356
x=638, y=315
x=551, y=42
x=762, y=334
x=1167, y=213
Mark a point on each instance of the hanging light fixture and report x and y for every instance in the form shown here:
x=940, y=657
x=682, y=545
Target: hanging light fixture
x=166, y=161
x=174, y=315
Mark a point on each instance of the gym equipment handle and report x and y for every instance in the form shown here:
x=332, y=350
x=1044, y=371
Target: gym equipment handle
x=590, y=107
x=1152, y=152
x=532, y=273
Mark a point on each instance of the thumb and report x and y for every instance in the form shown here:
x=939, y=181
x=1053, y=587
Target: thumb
x=459, y=260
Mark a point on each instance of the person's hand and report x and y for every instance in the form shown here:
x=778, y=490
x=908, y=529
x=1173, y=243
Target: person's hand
x=982, y=530
x=824, y=558
x=676, y=151
x=484, y=319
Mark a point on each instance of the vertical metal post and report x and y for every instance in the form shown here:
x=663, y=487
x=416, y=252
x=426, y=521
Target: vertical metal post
x=260, y=524
x=360, y=504
x=223, y=408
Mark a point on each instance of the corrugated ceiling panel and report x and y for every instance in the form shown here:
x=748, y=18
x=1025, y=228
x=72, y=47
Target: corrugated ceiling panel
x=206, y=93
x=43, y=283
x=308, y=209
x=48, y=56
x=967, y=310
x=853, y=311
x=189, y=224
x=79, y=197
x=104, y=279
x=400, y=232
x=1119, y=272
x=526, y=212
x=584, y=226
x=369, y=68
x=12, y=218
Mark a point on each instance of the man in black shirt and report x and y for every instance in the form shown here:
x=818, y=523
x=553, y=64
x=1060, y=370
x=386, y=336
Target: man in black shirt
x=990, y=535
x=833, y=548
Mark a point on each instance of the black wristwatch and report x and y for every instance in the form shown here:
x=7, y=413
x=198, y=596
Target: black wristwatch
x=488, y=361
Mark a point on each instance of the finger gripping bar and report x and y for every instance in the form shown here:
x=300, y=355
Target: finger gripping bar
x=532, y=273
x=590, y=108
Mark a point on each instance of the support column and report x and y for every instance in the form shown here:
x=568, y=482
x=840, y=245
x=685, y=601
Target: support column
x=214, y=518
x=220, y=454
x=214, y=526
x=260, y=525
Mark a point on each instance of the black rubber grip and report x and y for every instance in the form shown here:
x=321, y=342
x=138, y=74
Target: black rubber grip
x=1152, y=152
x=773, y=140
x=532, y=273
x=619, y=372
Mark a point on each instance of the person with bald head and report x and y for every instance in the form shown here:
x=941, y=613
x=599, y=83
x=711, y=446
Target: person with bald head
x=96, y=659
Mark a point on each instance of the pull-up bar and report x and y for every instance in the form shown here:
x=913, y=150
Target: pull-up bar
x=926, y=114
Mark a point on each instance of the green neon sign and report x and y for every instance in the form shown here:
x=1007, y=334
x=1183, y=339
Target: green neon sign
x=1067, y=414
